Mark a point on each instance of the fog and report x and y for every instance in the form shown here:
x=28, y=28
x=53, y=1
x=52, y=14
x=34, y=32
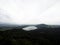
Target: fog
x=30, y=11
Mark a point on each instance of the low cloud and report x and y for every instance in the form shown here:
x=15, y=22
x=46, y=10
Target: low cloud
x=30, y=28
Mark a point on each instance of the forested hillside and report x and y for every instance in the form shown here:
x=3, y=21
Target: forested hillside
x=46, y=36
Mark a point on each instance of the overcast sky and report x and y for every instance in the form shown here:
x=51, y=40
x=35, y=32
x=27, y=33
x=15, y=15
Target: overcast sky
x=30, y=11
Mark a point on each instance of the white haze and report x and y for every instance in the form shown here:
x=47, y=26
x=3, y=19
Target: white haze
x=30, y=11
x=29, y=28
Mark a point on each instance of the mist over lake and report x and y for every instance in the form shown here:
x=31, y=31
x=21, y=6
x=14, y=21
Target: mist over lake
x=29, y=22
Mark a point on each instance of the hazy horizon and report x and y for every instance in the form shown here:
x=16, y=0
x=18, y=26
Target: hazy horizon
x=30, y=11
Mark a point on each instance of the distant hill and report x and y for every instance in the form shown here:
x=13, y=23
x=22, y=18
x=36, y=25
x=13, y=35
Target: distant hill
x=38, y=26
x=47, y=26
